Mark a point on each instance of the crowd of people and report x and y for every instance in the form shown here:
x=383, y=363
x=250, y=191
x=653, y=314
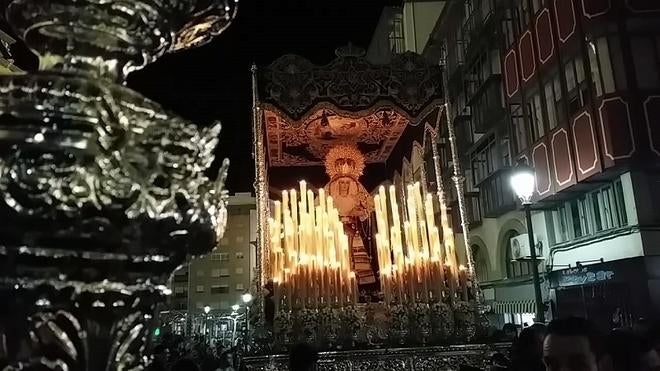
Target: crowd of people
x=568, y=344
x=176, y=353
x=575, y=344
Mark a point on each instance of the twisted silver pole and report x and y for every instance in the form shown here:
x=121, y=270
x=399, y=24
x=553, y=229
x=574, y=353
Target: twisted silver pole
x=458, y=178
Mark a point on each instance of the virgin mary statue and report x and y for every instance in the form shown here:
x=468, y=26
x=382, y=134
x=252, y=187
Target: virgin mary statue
x=344, y=165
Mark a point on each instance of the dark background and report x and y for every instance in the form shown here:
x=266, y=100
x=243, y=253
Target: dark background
x=213, y=82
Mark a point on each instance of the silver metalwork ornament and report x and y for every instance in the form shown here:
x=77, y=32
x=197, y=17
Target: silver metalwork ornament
x=102, y=192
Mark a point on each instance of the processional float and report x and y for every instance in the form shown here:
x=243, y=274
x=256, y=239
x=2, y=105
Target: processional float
x=103, y=193
x=354, y=251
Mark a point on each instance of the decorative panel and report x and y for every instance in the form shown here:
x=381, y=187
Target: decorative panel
x=585, y=146
x=595, y=8
x=527, y=60
x=652, y=113
x=566, y=24
x=616, y=128
x=544, y=39
x=643, y=6
x=511, y=73
x=561, y=159
x=542, y=167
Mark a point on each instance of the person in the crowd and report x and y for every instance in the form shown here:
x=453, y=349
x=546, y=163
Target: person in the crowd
x=185, y=364
x=627, y=351
x=303, y=358
x=510, y=332
x=527, y=352
x=572, y=344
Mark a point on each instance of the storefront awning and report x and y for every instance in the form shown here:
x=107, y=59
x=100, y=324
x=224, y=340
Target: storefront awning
x=520, y=306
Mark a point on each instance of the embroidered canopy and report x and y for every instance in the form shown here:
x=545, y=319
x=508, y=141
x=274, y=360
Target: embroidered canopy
x=308, y=108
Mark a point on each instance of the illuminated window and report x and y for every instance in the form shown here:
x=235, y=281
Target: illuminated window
x=200, y=288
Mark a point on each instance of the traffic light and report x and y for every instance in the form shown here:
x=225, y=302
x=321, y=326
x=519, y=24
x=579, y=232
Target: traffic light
x=157, y=331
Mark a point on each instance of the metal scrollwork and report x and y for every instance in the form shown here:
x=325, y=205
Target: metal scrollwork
x=106, y=193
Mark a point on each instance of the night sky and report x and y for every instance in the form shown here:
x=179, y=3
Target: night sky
x=213, y=82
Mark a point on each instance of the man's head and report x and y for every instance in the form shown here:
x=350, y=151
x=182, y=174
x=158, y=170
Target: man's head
x=572, y=344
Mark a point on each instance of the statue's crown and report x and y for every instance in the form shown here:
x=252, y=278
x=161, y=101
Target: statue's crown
x=344, y=159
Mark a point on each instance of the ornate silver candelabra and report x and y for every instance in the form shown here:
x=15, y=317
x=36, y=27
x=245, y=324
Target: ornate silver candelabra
x=102, y=192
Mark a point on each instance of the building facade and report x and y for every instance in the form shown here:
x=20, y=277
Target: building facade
x=570, y=87
x=219, y=279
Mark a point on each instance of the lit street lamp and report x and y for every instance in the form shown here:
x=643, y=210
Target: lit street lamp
x=522, y=182
x=235, y=307
x=207, y=309
x=247, y=298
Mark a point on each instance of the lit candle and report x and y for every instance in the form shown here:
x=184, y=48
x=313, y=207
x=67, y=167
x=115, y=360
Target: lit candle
x=303, y=200
x=462, y=277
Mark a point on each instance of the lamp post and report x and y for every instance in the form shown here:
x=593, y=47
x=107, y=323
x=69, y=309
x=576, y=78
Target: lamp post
x=247, y=298
x=207, y=309
x=522, y=182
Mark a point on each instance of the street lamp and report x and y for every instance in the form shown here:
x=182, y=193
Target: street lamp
x=523, y=181
x=247, y=298
x=207, y=309
x=235, y=307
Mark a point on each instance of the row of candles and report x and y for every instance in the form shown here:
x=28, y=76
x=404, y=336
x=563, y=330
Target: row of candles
x=414, y=264
x=310, y=258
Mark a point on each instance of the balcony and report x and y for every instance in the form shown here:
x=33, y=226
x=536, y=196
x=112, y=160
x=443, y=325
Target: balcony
x=495, y=194
x=480, y=26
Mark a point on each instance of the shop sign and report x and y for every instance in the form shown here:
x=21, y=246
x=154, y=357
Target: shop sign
x=583, y=275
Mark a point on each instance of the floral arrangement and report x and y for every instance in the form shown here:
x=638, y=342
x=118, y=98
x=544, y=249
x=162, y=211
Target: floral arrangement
x=307, y=320
x=465, y=321
x=419, y=316
x=442, y=322
x=351, y=324
x=399, y=323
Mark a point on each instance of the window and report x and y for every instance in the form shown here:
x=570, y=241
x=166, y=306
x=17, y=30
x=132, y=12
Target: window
x=395, y=37
x=178, y=290
x=515, y=268
x=553, y=103
x=220, y=272
x=220, y=289
x=507, y=28
x=523, y=14
x=646, y=54
x=199, y=288
x=200, y=273
x=480, y=265
x=518, y=122
x=239, y=270
x=576, y=87
x=239, y=255
x=222, y=257
x=239, y=287
x=536, y=115
x=590, y=213
x=484, y=161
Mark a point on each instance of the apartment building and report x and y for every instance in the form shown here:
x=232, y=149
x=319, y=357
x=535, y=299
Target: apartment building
x=570, y=87
x=219, y=279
